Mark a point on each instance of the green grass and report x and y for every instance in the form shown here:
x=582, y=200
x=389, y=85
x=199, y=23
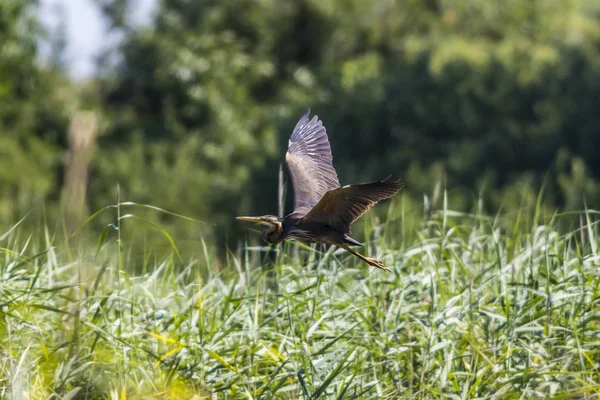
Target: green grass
x=473, y=309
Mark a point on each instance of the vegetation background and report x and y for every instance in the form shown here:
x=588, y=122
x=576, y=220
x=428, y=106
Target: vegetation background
x=490, y=99
x=490, y=107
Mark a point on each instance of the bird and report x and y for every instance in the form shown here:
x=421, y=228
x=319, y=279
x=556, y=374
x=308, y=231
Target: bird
x=323, y=210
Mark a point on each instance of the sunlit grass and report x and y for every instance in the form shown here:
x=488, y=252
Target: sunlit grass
x=471, y=310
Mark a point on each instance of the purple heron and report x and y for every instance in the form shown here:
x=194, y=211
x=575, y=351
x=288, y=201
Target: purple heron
x=323, y=211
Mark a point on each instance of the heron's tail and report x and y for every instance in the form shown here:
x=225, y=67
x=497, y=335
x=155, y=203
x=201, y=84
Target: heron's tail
x=351, y=241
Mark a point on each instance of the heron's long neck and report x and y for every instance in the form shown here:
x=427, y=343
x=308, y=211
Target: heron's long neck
x=274, y=234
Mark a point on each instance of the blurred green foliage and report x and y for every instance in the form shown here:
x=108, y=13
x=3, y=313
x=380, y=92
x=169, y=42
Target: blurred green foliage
x=497, y=98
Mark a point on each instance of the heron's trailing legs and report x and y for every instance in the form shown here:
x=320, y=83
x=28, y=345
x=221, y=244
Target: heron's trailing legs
x=368, y=260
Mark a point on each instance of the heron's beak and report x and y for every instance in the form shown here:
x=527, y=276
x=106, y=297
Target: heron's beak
x=251, y=219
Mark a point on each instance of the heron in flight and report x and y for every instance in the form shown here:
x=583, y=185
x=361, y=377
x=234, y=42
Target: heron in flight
x=323, y=211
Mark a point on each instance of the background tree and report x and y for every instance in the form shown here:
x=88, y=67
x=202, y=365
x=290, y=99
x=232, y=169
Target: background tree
x=474, y=94
x=195, y=109
x=33, y=114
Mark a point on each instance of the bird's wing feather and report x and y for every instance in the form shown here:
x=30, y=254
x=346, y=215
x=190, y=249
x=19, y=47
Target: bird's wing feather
x=340, y=207
x=310, y=164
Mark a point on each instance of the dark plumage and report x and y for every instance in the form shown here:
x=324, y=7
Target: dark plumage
x=323, y=211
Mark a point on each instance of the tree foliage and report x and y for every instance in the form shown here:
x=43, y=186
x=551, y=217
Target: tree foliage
x=31, y=127
x=196, y=108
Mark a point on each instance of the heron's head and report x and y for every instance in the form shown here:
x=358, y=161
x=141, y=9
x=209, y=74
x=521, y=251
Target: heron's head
x=274, y=226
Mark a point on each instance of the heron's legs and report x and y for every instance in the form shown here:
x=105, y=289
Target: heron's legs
x=368, y=260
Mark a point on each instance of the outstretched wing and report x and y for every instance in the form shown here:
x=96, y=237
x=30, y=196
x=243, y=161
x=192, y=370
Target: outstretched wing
x=309, y=161
x=340, y=207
